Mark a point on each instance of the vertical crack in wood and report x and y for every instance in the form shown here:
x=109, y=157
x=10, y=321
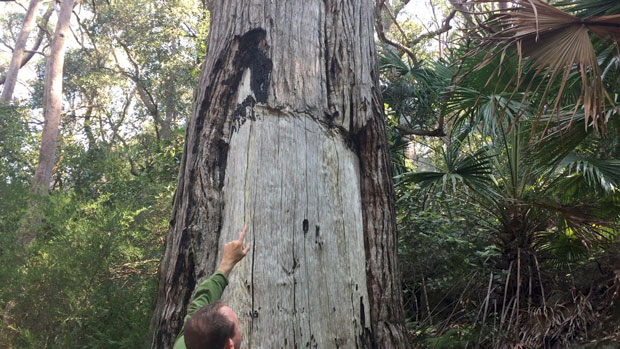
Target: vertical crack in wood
x=326, y=55
x=306, y=223
x=252, y=317
x=246, y=217
x=292, y=273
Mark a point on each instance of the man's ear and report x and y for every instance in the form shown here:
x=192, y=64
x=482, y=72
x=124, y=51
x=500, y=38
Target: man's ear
x=230, y=344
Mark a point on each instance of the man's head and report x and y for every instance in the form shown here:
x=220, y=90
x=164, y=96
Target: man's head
x=215, y=326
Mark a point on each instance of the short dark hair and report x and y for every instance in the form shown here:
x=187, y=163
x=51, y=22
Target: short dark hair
x=208, y=328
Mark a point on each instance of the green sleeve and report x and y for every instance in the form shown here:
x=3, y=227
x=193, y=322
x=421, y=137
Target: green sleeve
x=209, y=291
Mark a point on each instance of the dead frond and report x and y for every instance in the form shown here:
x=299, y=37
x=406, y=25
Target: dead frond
x=558, y=46
x=559, y=324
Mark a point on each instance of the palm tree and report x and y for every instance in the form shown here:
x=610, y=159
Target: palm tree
x=544, y=204
x=527, y=109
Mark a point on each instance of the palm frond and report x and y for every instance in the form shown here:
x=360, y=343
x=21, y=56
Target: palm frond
x=458, y=168
x=553, y=44
x=561, y=249
x=600, y=174
x=390, y=60
x=559, y=140
x=414, y=93
x=590, y=8
x=593, y=222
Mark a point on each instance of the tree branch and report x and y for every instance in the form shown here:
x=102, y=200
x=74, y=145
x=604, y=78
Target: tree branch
x=444, y=28
x=384, y=38
x=84, y=30
x=394, y=21
x=406, y=131
x=460, y=6
x=116, y=126
x=34, y=53
x=7, y=45
x=145, y=96
x=437, y=132
x=147, y=99
x=133, y=169
x=22, y=6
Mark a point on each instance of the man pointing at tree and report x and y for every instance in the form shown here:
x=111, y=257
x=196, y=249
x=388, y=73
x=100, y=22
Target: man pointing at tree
x=209, y=323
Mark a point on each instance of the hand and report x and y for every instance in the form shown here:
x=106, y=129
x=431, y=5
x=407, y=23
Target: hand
x=234, y=252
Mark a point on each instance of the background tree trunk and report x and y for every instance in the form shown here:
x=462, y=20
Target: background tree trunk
x=52, y=99
x=37, y=44
x=18, y=52
x=287, y=137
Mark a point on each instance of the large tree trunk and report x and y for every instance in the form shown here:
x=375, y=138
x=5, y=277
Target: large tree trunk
x=287, y=137
x=52, y=100
x=18, y=52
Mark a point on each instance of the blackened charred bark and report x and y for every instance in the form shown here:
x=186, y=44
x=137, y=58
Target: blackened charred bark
x=192, y=242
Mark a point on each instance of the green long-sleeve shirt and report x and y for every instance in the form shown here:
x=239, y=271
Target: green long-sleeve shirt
x=208, y=291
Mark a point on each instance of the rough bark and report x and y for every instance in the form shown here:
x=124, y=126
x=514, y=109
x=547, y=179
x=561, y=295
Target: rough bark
x=52, y=99
x=287, y=136
x=380, y=237
x=18, y=52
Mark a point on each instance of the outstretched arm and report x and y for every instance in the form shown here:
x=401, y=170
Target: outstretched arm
x=234, y=252
x=210, y=290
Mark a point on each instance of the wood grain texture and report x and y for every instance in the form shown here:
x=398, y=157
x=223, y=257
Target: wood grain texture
x=296, y=184
x=287, y=137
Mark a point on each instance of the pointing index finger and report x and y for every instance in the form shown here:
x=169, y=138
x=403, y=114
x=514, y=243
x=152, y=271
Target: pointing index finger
x=242, y=235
